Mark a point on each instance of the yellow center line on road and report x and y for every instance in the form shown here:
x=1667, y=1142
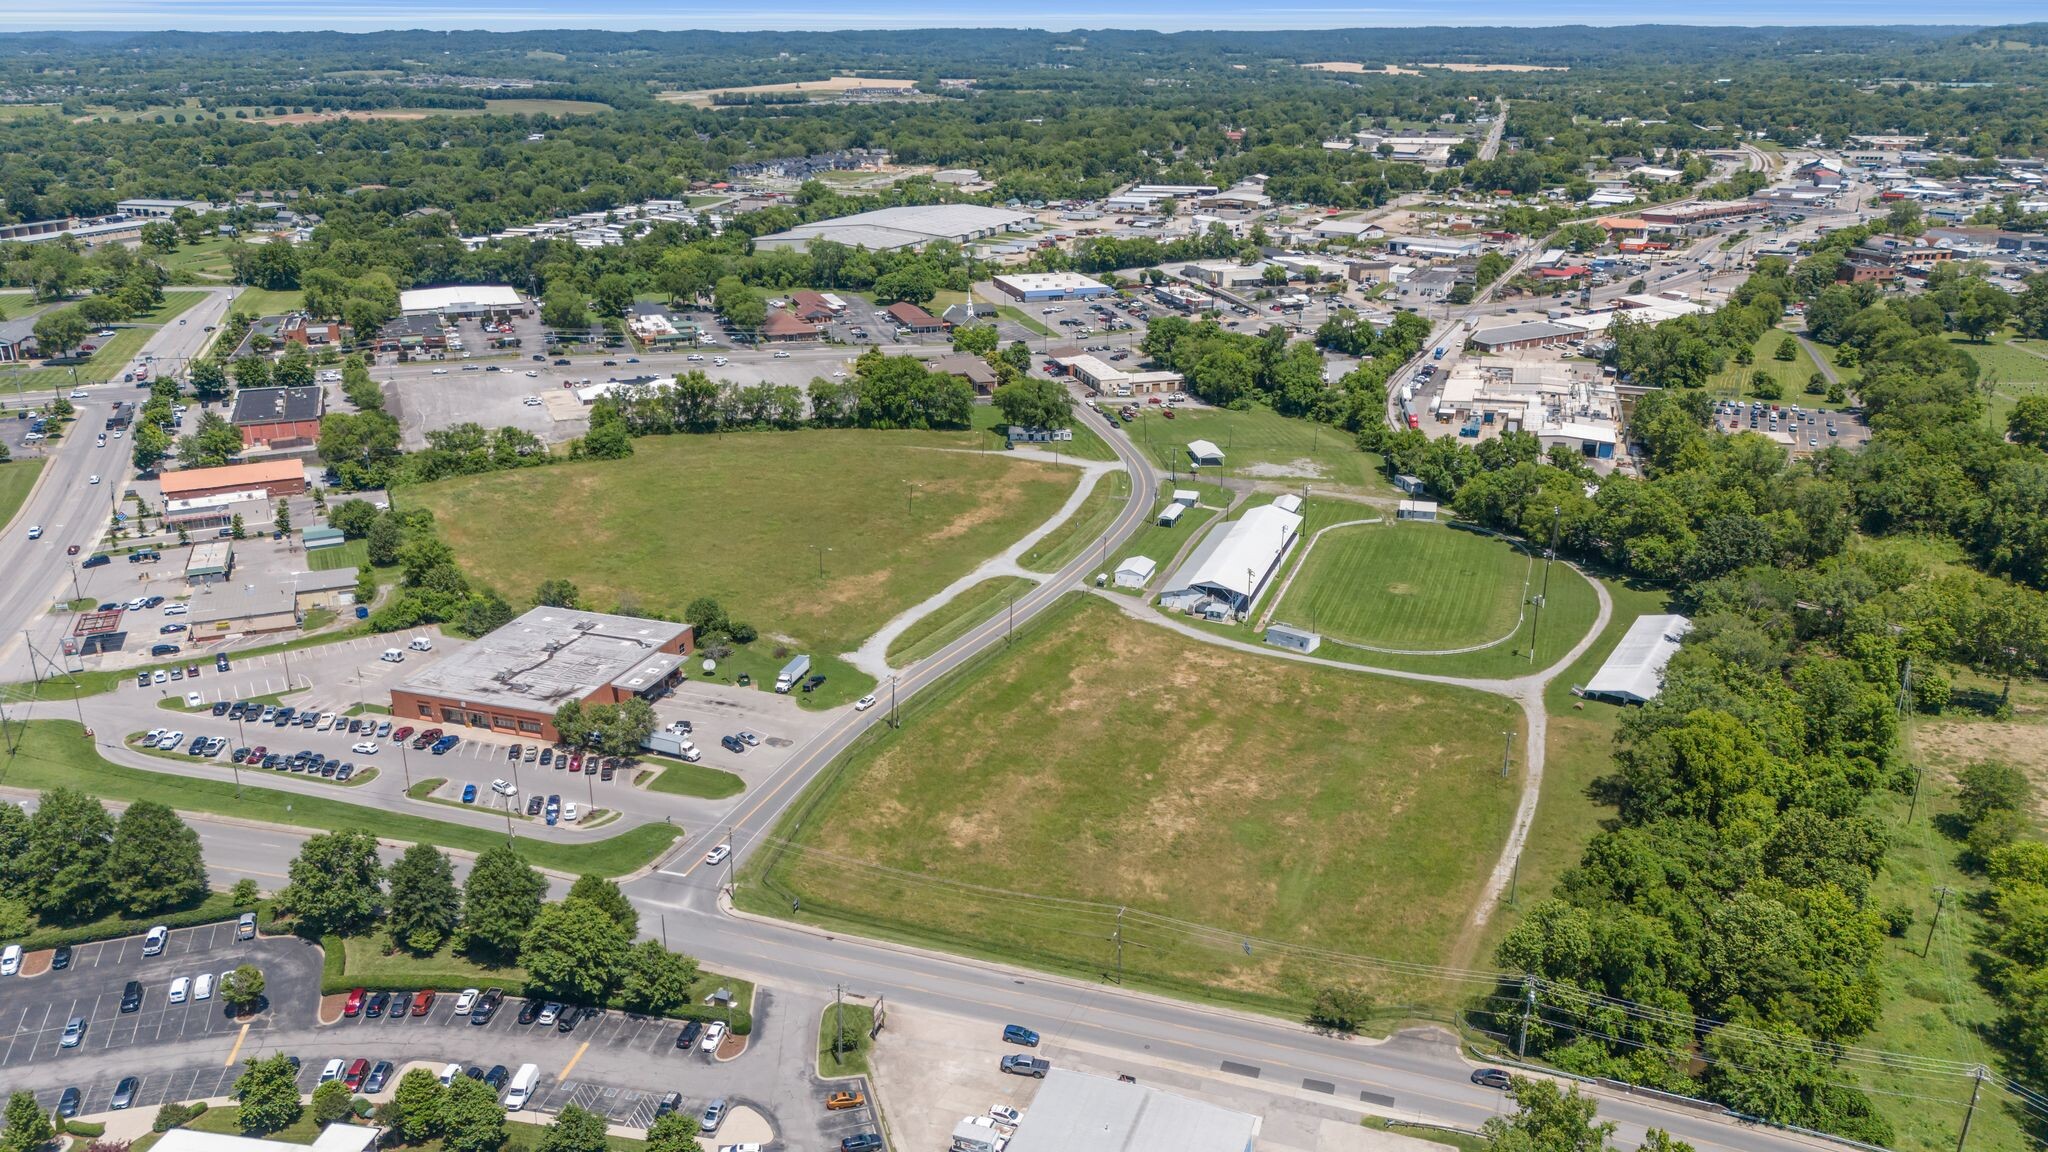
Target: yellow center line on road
x=236, y=1050
x=564, y=1074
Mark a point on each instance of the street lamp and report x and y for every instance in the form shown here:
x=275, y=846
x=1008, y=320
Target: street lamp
x=820, y=550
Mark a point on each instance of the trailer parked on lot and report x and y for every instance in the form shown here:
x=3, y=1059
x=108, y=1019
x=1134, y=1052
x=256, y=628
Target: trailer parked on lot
x=792, y=673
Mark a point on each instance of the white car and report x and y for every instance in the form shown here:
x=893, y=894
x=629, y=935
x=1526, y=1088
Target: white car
x=531, y=374
x=179, y=988
x=326, y=722
x=93, y=479
x=531, y=401
x=694, y=358
x=1004, y=1114
x=171, y=740
x=159, y=676
x=569, y=812
x=194, y=700
x=78, y=394
x=10, y=960
x=102, y=441
x=864, y=703
x=717, y=855
x=782, y=355
x=712, y=1036
x=202, y=986
x=548, y=1013
x=463, y=1003
x=35, y=531
x=449, y=1074
x=440, y=371
x=748, y=738
x=504, y=787
x=153, y=943
x=117, y=433
x=364, y=748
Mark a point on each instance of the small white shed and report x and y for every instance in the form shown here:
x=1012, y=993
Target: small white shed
x=1424, y=510
x=1204, y=452
x=1171, y=514
x=1292, y=638
x=1135, y=572
x=1187, y=496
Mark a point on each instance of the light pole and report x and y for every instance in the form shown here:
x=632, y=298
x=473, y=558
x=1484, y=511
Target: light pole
x=820, y=550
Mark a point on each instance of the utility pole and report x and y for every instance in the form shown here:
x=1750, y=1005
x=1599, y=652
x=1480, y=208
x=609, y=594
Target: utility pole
x=1941, y=902
x=893, y=723
x=1528, y=1009
x=1507, y=747
x=1117, y=937
x=1536, y=623
x=1975, y=1088
x=838, y=1018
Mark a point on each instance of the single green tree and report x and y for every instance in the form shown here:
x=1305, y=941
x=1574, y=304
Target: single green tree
x=674, y=1132
x=657, y=980
x=424, y=904
x=335, y=884
x=154, y=861
x=574, y=952
x=28, y=1126
x=606, y=896
x=331, y=1101
x=471, y=1118
x=556, y=593
x=64, y=867
x=418, y=1104
x=574, y=1130
x=269, y=1095
x=242, y=989
x=500, y=901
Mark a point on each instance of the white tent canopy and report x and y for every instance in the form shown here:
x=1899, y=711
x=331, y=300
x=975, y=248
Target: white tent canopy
x=1635, y=672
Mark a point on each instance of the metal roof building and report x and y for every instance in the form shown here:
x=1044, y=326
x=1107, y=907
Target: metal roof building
x=1634, y=673
x=911, y=226
x=1237, y=559
x=460, y=299
x=1076, y=1112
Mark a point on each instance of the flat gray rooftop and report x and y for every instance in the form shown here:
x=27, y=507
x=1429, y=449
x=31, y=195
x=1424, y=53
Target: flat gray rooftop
x=545, y=658
x=1077, y=1112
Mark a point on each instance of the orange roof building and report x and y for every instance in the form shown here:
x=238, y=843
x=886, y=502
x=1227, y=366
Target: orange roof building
x=273, y=478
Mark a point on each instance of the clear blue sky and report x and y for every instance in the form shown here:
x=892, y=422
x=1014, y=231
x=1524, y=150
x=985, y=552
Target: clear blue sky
x=796, y=15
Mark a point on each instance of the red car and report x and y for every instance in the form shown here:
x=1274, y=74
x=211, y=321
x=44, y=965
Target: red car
x=576, y=762
x=401, y=734
x=354, y=1007
x=423, y=1002
x=356, y=1072
x=71, y=551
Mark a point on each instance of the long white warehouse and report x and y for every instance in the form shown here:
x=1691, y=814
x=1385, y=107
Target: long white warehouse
x=1232, y=566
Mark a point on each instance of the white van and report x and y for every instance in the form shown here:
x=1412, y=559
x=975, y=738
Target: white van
x=10, y=960
x=421, y=644
x=393, y=656
x=202, y=986
x=179, y=988
x=449, y=1074
x=522, y=1087
x=332, y=1071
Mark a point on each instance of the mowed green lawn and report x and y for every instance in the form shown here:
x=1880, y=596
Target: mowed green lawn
x=1106, y=760
x=16, y=478
x=1409, y=586
x=1259, y=444
x=743, y=518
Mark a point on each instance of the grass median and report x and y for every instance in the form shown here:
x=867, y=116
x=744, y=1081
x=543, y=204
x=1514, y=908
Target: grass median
x=55, y=753
x=681, y=778
x=852, y=1022
x=956, y=618
x=16, y=478
x=1097, y=512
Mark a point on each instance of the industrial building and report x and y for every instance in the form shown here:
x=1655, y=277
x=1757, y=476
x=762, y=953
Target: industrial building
x=1528, y=334
x=461, y=300
x=1634, y=673
x=160, y=209
x=279, y=416
x=1032, y=286
x=1077, y=1112
x=209, y=562
x=271, y=478
x=887, y=229
x=1226, y=573
x=1436, y=247
x=514, y=679
x=1103, y=378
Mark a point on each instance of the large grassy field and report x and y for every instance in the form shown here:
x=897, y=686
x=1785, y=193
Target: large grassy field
x=743, y=518
x=1422, y=587
x=200, y=261
x=1057, y=548
x=16, y=478
x=1102, y=762
x=1732, y=381
x=1261, y=444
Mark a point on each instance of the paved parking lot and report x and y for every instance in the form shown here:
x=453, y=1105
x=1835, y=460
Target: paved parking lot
x=34, y=1010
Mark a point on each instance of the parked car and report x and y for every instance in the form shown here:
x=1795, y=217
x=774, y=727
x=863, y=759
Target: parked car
x=468, y=791
x=861, y=1142
x=245, y=926
x=131, y=996
x=67, y=1104
x=530, y=1011
x=844, y=1101
x=1019, y=1034
x=124, y=1092
x=714, y=1115
x=154, y=941
x=486, y=1007
x=379, y=1073
x=687, y=1038
x=712, y=1035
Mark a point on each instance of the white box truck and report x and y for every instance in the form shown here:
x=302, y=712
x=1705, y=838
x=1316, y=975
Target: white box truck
x=791, y=673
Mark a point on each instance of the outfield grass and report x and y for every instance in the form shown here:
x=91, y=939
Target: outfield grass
x=737, y=518
x=1260, y=444
x=54, y=753
x=1105, y=762
x=1097, y=512
x=955, y=618
x=16, y=478
x=347, y=554
x=1409, y=586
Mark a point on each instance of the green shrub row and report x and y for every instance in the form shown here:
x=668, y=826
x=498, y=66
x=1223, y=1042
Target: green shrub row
x=215, y=909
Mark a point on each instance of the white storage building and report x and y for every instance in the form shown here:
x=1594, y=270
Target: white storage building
x=460, y=300
x=1136, y=572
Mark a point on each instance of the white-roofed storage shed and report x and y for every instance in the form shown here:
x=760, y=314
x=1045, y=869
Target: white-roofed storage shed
x=1136, y=572
x=1634, y=673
